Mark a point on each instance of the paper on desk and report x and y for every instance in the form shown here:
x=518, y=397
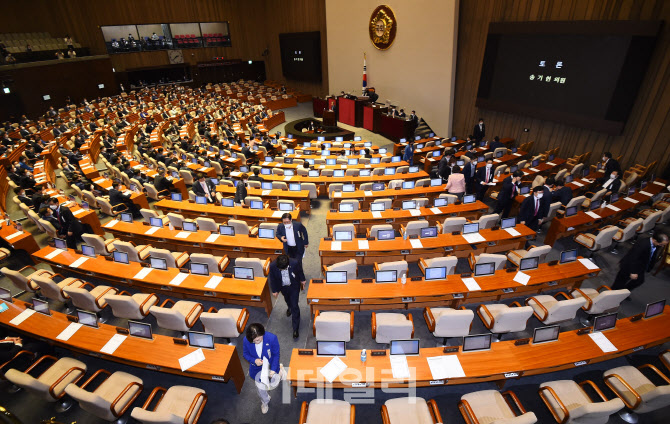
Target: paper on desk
x=192, y=359
x=614, y=208
x=78, y=262
x=471, y=284
x=79, y=212
x=512, y=232
x=16, y=234
x=367, y=193
x=335, y=245
x=337, y=194
x=415, y=212
x=152, y=230
x=522, y=278
x=363, y=244
x=376, y=214
x=113, y=344
x=399, y=366
x=178, y=279
x=593, y=215
x=436, y=211
x=534, y=170
x=657, y=183
x=213, y=282
x=111, y=223
x=588, y=264
x=416, y=244
x=474, y=238
x=646, y=193
x=265, y=192
x=143, y=273
x=603, y=342
x=551, y=164
x=69, y=331
x=332, y=369
x=212, y=238
x=516, y=154
x=443, y=367
x=578, y=184
x=277, y=214
x=54, y=253
x=287, y=178
x=628, y=199
x=22, y=317
x=497, y=160
x=183, y=234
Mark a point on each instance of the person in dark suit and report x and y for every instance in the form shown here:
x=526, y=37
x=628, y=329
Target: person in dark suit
x=40, y=197
x=413, y=118
x=495, y=144
x=444, y=166
x=479, y=131
x=402, y=114
x=612, y=184
x=335, y=109
x=530, y=212
x=507, y=193
x=469, y=171
x=46, y=213
x=260, y=346
x=204, y=187
x=547, y=190
x=70, y=227
x=117, y=197
x=161, y=183
x=640, y=259
x=561, y=193
x=408, y=154
x=21, y=194
x=286, y=276
x=256, y=176
x=241, y=189
x=609, y=165
x=294, y=236
x=483, y=176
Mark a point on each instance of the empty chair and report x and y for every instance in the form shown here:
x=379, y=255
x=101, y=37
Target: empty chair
x=279, y=185
x=147, y=214
x=423, y=182
x=289, y=202
x=241, y=227
x=350, y=265
x=311, y=187
x=265, y=225
x=372, y=232
x=214, y=263
x=395, y=183
x=540, y=252
x=22, y=282
x=410, y=410
x=601, y=300
x=260, y=267
x=353, y=202
x=249, y=199
x=173, y=259
x=490, y=406
x=333, y=326
x=391, y=326
x=113, y=396
x=90, y=199
x=448, y=322
x=451, y=199
x=500, y=318
x=107, y=208
x=206, y=224
x=187, y=176
x=227, y=323
x=594, y=196
x=488, y=221
x=484, y=258
x=94, y=299
x=413, y=228
x=421, y=202
x=569, y=403
x=135, y=253
x=597, y=242
x=648, y=222
x=102, y=246
x=553, y=209
x=550, y=310
x=451, y=224
x=136, y=306
x=334, y=188
x=576, y=201
x=182, y=316
x=388, y=203
x=448, y=262
x=176, y=220
x=399, y=266
x=625, y=234
x=51, y=384
x=638, y=393
x=327, y=411
x=54, y=291
x=178, y=405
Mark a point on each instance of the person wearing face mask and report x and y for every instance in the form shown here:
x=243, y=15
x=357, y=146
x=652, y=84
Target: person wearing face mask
x=609, y=165
x=640, y=259
x=204, y=187
x=531, y=212
x=70, y=227
x=46, y=214
x=469, y=172
x=456, y=183
x=287, y=277
x=613, y=183
x=509, y=190
x=261, y=346
x=483, y=177
x=294, y=236
x=241, y=190
x=408, y=154
x=444, y=166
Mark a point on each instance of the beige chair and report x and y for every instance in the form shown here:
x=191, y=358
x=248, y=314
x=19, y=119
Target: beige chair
x=413, y=228
x=94, y=299
x=102, y=246
x=597, y=242
x=90, y=198
x=54, y=291
x=501, y=319
x=451, y=224
x=22, y=282
x=289, y=202
x=484, y=258
x=333, y=326
x=226, y=323
x=48, y=228
x=176, y=219
x=540, y=252
x=206, y=224
x=391, y=326
x=107, y=208
x=412, y=410
x=354, y=203
x=182, y=316
x=490, y=406
x=241, y=227
x=111, y=398
x=400, y=267
x=448, y=262
x=451, y=199
x=488, y=221
x=327, y=411
x=576, y=201
x=135, y=253
x=215, y=264
x=601, y=300
x=388, y=203
x=350, y=265
x=372, y=232
x=173, y=259
x=147, y=214
x=136, y=306
x=260, y=267
x=570, y=404
x=448, y=322
x=550, y=310
x=624, y=234
x=350, y=228
x=594, y=197
x=249, y=199
x=50, y=385
x=648, y=222
x=187, y=176
x=553, y=210
x=154, y=194
x=311, y=187
x=638, y=393
x=178, y=405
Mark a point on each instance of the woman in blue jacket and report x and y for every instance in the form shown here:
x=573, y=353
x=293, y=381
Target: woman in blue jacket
x=259, y=347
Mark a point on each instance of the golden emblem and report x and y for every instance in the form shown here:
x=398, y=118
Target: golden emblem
x=383, y=26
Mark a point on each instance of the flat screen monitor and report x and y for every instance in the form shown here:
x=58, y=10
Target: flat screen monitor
x=482, y=270
x=127, y=217
x=331, y=161
x=266, y=233
x=5, y=295
x=436, y=153
x=389, y=171
x=331, y=348
x=407, y=185
x=546, y=334
x=568, y=179
x=158, y=263
x=471, y=228
x=413, y=169
x=189, y=226
x=226, y=230
x=513, y=169
x=346, y=207
x=201, y=340
x=41, y=306
x=508, y=223
x=395, y=159
x=336, y=277
x=289, y=172
x=469, y=198
x=571, y=211
x=418, y=137
x=385, y=234
x=87, y=250
x=408, y=204
x=313, y=173
x=535, y=163
x=199, y=269
x=655, y=308
x=480, y=159
x=527, y=264
x=551, y=157
x=294, y=187
x=382, y=151
x=352, y=161
x=325, y=152
x=285, y=206
x=120, y=257
x=266, y=185
x=378, y=186
x=348, y=188
x=375, y=161
x=585, y=172
x=604, y=322
x=256, y=204
x=343, y=236
x=568, y=256
x=460, y=163
x=321, y=139
x=60, y=243
x=436, y=273
x=290, y=151
x=377, y=206
x=524, y=190
x=175, y=174
x=614, y=197
x=265, y=171
x=140, y=329
x=428, y=232
x=227, y=202
x=476, y=342
x=440, y=201
x=306, y=144
x=176, y=197
x=200, y=200
x=155, y=222
x=87, y=318
x=243, y=273
x=595, y=204
x=339, y=138
x=387, y=276
x=631, y=191
x=338, y=173
x=405, y=347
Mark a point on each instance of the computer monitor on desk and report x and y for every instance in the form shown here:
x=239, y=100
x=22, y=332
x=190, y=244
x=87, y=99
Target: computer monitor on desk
x=285, y=207
x=508, y=223
x=331, y=348
x=338, y=173
x=226, y=230
x=604, y=322
x=377, y=207
x=313, y=173
x=41, y=306
x=266, y=233
x=408, y=204
x=158, y=263
x=476, y=342
x=655, y=308
x=527, y=264
x=471, y=228
x=120, y=257
x=266, y=185
x=440, y=201
x=386, y=235
x=201, y=340
x=199, y=269
x=175, y=197
x=87, y=250
x=5, y=295
x=469, y=198
x=60, y=243
x=126, y=217
x=227, y=202
x=388, y=276
x=428, y=232
x=407, y=185
x=243, y=273
x=88, y=319
x=336, y=277
x=331, y=161
x=343, y=236
x=378, y=186
x=409, y=347
x=256, y=204
x=436, y=273
x=571, y=211
x=546, y=334
x=189, y=226
x=348, y=188
x=200, y=200
x=485, y=269
x=568, y=256
x=140, y=329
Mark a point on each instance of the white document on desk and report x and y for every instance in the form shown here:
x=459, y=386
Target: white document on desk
x=21, y=317
x=415, y=212
x=512, y=232
x=593, y=215
x=657, y=183
x=192, y=359
x=522, y=278
x=179, y=278
x=399, y=366
x=614, y=208
x=143, y=273
x=603, y=342
x=628, y=199
x=551, y=164
x=335, y=245
x=54, y=253
x=436, y=211
x=265, y=192
x=337, y=194
x=78, y=262
x=111, y=223
x=113, y=344
x=183, y=234
x=367, y=193
x=79, y=212
x=152, y=230
x=471, y=284
x=578, y=184
x=212, y=238
x=277, y=214
x=646, y=193
x=474, y=238
x=16, y=234
x=534, y=170
x=287, y=178
x=416, y=243
x=213, y=282
x=69, y=331
x=588, y=264
x=363, y=244
x=443, y=367
x=333, y=369
x=376, y=214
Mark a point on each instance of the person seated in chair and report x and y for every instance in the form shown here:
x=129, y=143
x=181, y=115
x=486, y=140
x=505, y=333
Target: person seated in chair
x=204, y=187
x=117, y=198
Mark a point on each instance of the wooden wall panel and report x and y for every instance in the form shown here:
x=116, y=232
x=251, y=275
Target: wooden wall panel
x=645, y=137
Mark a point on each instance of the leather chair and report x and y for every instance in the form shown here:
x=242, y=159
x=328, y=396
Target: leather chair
x=355, y=203
x=332, y=325
x=388, y=203
x=350, y=265
x=350, y=228
x=135, y=253
x=215, y=264
x=48, y=228
x=206, y=224
x=484, y=258
x=624, y=234
x=451, y=224
x=176, y=219
x=54, y=291
x=638, y=393
x=413, y=228
x=136, y=306
x=391, y=326
x=327, y=411
x=261, y=268
x=147, y=214
x=400, y=267
x=94, y=299
x=22, y=282
x=488, y=221
x=102, y=246
x=501, y=319
x=107, y=208
x=410, y=410
x=241, y=227
x=602, y=240
x=569, y=403
x=594, y=197
x=285, y=202
x=228, y=323
x=448, y=322
x=550, y=310
x=173, y=259
x=601, y=300
x=178, y=405
x=451, y=199
x=490, y=406
x=540, y=252
x=448, y=262
x=372, y=232
x=181, y=317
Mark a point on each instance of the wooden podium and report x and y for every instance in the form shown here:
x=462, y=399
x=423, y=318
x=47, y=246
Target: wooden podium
x=329, y=118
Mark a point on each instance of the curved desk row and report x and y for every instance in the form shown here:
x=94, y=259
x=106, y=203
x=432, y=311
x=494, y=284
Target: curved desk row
x=301, y=198
x=220, y=213
x=365, y=197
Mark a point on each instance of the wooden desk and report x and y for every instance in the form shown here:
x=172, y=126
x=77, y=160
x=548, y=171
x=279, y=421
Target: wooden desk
x=365, y=197
x=450, y=292
x=229, y=290
x=105, y=184
x=16, y=239
x=442, y=245
x=160, y=354
x=210, y=172
x=85, y=216
x=395, y=128
x=220, y=213
x=301, y=198
x=178, y=183
x=504, y=357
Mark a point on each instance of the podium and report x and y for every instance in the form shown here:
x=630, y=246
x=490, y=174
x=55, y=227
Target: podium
x=329, y=118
